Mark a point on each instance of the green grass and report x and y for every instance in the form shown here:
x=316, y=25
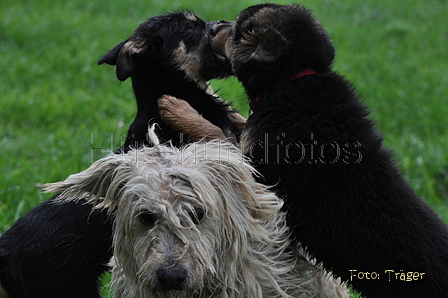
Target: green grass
x=56, y=104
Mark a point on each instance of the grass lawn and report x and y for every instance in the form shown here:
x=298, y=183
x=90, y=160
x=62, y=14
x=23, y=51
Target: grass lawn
x=57, y=107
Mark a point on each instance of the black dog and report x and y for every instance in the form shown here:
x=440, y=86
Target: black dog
x=56, y=250
x=60, y=250
x=171, y=55
x=311, y=137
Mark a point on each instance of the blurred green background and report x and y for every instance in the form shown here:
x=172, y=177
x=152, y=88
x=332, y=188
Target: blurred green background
x=57, y=106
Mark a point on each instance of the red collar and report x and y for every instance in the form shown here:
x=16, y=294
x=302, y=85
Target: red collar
x=300, y=74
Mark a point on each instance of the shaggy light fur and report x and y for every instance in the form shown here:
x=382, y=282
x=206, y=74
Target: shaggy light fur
x=192, y=222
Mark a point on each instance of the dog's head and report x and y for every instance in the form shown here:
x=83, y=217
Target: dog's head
x=184, y=218
x=271, y=42
x=178, y=41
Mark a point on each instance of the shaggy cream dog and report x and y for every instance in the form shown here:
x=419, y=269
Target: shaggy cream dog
x=192, y=222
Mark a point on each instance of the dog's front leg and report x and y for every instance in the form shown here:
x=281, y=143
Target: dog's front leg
x=182, y=117
x=239, y=122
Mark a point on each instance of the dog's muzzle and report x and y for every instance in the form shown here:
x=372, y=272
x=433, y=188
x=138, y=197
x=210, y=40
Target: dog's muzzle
x=220, y=25
x=221, y=31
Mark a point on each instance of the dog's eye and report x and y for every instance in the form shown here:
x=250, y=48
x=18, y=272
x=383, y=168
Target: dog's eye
x=197, y=215
x=149, y=219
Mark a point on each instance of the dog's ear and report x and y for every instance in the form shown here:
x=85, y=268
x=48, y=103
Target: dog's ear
x=263, y=44
x=103, y=179
x=261, y=202
x=112, y=56
x=234, y=176
x=122, y=55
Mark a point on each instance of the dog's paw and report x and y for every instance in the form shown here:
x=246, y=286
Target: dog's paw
x=182, y=117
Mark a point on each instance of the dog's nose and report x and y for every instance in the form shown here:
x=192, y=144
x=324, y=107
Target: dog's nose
x=220, y=25
x=171, y=278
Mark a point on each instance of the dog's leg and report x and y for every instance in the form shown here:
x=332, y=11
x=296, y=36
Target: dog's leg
x=239, y=122
x=181, y=116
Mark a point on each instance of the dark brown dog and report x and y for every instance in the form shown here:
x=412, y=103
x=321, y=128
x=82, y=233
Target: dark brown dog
x=311, y=136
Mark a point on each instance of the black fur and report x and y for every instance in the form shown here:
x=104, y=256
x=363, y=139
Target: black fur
x=60, y=250
x=56, y=250
x=147, y=57
x=312, y=138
